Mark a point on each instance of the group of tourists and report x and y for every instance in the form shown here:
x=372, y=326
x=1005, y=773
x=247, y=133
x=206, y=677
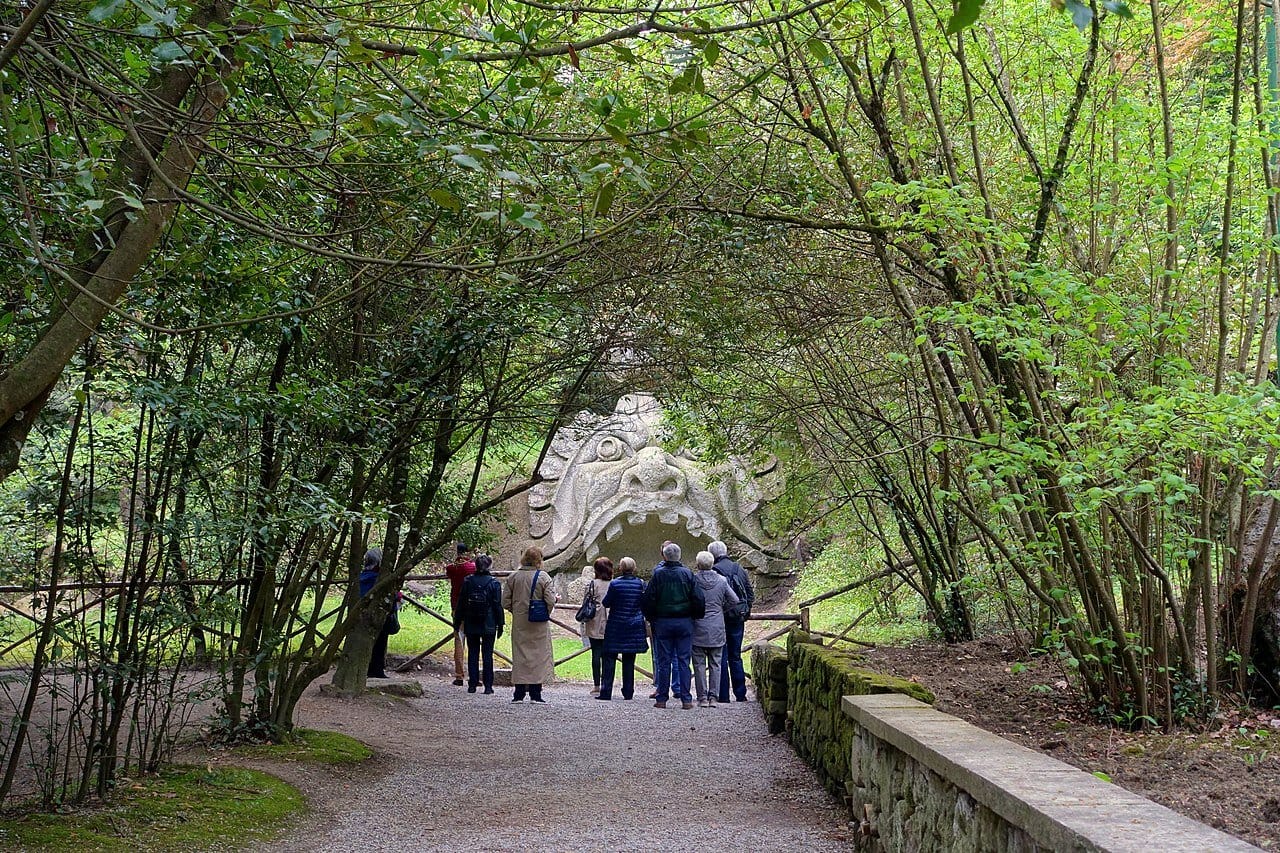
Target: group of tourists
x=695, y=619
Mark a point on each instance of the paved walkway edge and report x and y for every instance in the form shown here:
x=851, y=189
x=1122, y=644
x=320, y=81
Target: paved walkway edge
x=1059, y=806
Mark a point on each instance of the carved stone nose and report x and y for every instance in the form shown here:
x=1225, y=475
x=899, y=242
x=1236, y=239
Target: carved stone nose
x=651, y=473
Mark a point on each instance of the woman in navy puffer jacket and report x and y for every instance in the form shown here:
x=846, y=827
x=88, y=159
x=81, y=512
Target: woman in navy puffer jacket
x=624, y=632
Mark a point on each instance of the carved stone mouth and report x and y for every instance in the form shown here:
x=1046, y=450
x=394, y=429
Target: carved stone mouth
x=639, y=532
x=682, y=516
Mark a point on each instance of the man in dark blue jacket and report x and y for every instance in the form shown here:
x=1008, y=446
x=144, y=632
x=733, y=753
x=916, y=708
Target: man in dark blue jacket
x=671, y=602
x=735, y=623
x=479, y=617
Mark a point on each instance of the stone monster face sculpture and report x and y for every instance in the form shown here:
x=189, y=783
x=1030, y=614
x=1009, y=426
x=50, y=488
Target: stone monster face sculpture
x=609, y=481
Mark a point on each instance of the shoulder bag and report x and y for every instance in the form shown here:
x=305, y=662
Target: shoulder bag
x=537, y=607
x=587, y=611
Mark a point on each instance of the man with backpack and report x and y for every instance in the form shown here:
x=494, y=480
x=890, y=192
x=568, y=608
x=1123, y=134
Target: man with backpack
x=479, y=617
x=671, y=602
x=457, y=572
x=735, y=623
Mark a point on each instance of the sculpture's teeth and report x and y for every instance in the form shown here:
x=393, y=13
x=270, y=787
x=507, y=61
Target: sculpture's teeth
x=635, y=519
x=613, y=531
x=593, y=551
x=669, y=517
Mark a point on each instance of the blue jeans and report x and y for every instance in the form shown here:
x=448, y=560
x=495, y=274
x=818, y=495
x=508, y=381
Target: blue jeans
x=731, y=663
x=673, y=645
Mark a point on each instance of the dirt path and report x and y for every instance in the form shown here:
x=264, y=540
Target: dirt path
x=467, y=771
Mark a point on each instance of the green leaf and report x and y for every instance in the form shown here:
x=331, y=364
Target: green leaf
x=466, y=161
x=604, y=198
x=616, y=134
x=966, y=12
x=1118, y=7
x=104, y=10
x=445, y=199
x=711, y=52
x=168, y=51
x=819, y=49
x=1081, y=14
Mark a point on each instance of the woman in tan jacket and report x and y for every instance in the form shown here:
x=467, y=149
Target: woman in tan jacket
x=532, y=663
x=593, y=629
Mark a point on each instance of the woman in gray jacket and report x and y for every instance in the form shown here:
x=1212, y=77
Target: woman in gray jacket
x=708, y=632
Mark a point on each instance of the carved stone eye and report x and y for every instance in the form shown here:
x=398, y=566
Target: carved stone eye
x=610, y=449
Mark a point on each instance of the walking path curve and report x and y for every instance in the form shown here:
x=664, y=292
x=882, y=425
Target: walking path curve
x=467, y=771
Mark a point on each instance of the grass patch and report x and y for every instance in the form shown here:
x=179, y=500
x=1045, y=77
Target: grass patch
x=184, y=808
x=311, y=746
x=894, y=618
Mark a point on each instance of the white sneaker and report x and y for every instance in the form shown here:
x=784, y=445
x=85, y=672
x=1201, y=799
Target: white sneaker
x=711, y=703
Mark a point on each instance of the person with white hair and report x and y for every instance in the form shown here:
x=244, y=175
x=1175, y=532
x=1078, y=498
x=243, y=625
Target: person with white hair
x=708, y=632
x=735, y=621
x=671, y=602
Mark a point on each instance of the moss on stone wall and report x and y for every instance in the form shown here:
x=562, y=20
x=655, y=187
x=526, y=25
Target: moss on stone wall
x=769, y=672
x=800, y=689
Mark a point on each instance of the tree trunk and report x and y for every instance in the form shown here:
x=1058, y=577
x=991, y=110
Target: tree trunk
x=103, y=277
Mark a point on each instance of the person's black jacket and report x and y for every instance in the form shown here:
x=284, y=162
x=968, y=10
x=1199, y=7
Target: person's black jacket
x=673, y=594
x=490, y=618
x=740, y=581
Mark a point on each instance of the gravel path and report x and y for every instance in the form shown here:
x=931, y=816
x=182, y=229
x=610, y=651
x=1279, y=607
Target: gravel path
x=467, y=771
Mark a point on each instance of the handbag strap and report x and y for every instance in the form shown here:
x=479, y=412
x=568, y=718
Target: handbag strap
x=534, y=586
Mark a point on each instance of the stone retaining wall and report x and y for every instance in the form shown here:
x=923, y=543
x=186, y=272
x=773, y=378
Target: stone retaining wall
x=920, y=780
x=924, y=780
x=800, y=688
x=769, y=672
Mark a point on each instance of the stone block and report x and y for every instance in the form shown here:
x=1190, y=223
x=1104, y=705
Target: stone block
x=406, y=688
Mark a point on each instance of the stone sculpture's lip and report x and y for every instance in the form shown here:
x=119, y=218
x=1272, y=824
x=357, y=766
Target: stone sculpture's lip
x=610, y=523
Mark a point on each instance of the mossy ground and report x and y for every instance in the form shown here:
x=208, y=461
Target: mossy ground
x=183, y=808
x=311, y=746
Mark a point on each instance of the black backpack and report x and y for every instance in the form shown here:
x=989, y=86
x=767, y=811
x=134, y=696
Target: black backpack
x=476, y=606
x=740, y=590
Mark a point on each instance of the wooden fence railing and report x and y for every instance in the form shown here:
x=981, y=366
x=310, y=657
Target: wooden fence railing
x=107, y=589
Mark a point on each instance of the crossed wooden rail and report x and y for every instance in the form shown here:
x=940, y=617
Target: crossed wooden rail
x=107, y=589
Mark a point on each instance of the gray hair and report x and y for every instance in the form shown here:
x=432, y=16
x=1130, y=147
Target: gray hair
x=718, y=549
x=373, y=558
x=671, y=552
x=704, y=559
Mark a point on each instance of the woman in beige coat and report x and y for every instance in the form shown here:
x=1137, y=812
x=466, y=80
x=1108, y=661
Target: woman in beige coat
x=532, y=663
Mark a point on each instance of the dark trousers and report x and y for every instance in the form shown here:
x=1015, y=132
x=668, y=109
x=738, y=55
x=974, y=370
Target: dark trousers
x=673, y=647
x=731, y=663
x=597, y=653
x=610, y=659
x=675, y=668
x=534, y=691
x=378, y=660
x=477, y=645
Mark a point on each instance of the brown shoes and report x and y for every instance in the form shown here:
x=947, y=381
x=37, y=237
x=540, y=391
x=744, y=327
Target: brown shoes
x=659, y=704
